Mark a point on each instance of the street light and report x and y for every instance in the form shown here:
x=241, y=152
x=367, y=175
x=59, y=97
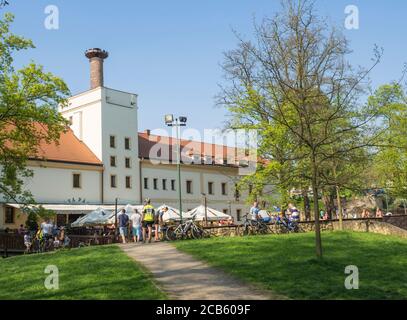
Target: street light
x=206, y=208
x=178, y=123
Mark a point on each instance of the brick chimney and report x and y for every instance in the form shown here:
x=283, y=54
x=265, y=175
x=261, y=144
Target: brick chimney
x=96, y=57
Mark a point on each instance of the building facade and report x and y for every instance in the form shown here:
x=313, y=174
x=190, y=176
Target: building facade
x=103, y=157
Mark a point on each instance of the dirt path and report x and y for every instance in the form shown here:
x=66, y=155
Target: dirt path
x=185, y=278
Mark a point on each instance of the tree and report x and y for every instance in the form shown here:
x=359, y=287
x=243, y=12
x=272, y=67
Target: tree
x=295, y=75
x=28, y=113
x=390, y=162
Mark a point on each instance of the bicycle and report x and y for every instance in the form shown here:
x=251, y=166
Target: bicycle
x=186, y=230
x=251, y=227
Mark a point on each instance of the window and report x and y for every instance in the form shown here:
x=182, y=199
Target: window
x=145, y=183
x=112, y=142
x=155, y=183
x=127, y=143
x=239, y=214
x=10, y=214
x=173, y=185
x=70, y=120
x=76, y=180
x=164, y=184
x=113, y=181
x=112, y=161
x=128, y=182
x=224, y=191
x=210, y=187
x=127, y=162
x=225, y=211
x=189, y=186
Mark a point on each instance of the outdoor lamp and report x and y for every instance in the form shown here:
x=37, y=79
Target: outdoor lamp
x=169, y=118
x=183, y=119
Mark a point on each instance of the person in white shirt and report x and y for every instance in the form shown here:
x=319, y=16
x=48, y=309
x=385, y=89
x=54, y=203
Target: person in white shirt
x=47, y=228
x=135, y=219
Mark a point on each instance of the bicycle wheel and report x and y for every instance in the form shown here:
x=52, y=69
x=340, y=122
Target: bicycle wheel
x=197, y=232
x=170, y=233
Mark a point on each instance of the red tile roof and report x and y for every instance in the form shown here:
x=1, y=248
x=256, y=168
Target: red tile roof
x=69, y=149
x=189, y=148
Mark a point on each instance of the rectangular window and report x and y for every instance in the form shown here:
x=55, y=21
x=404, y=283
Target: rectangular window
x=145, y=183
x=128, y=182
x=225, y=211
x=239, y=215
x=112, y=142
x=127, y=163
x=164, y=184
x=189, y=186
x=173, y=185
x=76, y=180
x=155, y=183
x=10, y=215
x=127, y=143
x=210, y=187
x=113, y=181
x=224, y=191
x=112, y=161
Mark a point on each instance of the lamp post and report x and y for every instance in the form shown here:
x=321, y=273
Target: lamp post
x=177, y=123
x=206, y=209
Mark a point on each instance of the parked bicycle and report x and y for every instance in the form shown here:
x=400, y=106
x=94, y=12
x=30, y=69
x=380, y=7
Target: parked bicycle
x=251, y=227
x=186, y=230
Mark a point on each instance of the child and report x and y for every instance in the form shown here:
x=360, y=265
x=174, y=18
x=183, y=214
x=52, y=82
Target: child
x=27, y=242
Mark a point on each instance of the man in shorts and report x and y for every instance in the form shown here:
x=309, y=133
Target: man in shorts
x=136, y=224
x=148, y=219
x=123, y=219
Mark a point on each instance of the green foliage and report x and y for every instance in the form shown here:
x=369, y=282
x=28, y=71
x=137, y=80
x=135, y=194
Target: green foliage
x=28, y=113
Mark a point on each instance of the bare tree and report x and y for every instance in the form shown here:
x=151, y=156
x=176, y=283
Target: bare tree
x=294, y=75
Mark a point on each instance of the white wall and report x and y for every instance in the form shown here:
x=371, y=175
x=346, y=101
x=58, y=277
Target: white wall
x=97, y=114
x=200, y=177
x=53, y=185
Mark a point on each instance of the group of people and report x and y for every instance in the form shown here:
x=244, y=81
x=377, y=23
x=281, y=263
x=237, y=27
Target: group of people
x=141, y=224
x=291, y=213
x=47, y=233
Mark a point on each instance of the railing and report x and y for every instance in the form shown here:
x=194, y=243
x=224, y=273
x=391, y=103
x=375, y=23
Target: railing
x=11, y=242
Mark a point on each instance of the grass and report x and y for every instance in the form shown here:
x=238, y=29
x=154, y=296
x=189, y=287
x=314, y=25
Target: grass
x=286, y=265
x=103, y=272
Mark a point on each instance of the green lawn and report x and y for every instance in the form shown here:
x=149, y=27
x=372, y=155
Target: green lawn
x=286, y=263
x=103, y=272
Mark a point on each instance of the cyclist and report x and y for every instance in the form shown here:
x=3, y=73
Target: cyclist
x=148, y=219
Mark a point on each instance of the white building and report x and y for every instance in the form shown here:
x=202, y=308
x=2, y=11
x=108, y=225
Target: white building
x=104, y=157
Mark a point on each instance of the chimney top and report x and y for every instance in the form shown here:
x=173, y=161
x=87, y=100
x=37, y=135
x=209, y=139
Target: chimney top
x=96, y=53
x=96, y=57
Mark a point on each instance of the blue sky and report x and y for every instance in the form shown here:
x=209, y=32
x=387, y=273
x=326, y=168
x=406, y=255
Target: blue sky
x=168, y=52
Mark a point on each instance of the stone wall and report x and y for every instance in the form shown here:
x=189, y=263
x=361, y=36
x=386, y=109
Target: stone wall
x=394, y=225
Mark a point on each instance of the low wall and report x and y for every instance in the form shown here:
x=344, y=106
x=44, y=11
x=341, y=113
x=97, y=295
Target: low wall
x=394, y=225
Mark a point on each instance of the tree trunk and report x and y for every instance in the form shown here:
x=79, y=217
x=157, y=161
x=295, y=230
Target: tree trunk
x=318, y=242
x=338, y=199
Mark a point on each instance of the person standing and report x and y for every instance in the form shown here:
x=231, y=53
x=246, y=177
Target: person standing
x=254, y=211
x=47, y=229
x=123, y=219
x=136, y=225
x=147, y=219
